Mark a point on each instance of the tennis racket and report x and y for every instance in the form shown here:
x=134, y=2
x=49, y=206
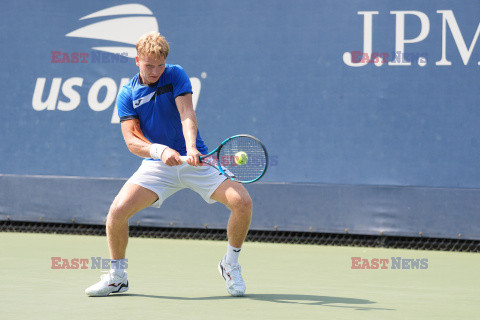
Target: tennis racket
x=242, y=158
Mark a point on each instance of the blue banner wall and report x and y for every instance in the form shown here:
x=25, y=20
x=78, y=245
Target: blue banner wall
x=375, y=94
x=393, y=211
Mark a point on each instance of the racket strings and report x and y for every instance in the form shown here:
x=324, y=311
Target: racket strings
x=254, y=167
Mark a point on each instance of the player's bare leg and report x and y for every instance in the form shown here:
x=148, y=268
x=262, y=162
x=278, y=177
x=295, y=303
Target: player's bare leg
x=131, y=199
x=236, y=198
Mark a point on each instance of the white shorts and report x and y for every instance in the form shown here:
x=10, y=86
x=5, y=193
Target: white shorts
x=165, y=180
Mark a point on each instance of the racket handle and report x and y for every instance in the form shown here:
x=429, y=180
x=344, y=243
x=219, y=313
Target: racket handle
x=184, y=158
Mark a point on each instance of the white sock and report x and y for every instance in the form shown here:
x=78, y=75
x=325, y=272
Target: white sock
x=232, y=255
x=117, y=267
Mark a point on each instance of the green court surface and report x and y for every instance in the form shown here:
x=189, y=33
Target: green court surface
x=178, y=279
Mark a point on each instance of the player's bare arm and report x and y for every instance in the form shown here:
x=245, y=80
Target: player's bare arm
x=139, y=145
x=189, y=125
x=136, y=142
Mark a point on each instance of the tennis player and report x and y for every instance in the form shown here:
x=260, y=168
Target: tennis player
x=159, y=124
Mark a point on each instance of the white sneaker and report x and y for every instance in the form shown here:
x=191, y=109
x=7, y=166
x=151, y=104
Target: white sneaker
x=109, y=283
x=233, y=276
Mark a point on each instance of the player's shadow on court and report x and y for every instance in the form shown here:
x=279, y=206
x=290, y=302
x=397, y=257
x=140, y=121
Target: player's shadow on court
x=336, y=302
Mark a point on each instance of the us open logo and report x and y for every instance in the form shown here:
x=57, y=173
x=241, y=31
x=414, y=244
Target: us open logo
x=63, y=95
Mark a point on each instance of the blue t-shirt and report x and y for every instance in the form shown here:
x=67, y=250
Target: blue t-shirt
x=154, y=106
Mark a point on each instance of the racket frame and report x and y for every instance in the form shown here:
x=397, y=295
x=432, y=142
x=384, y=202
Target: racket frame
x=219, y=166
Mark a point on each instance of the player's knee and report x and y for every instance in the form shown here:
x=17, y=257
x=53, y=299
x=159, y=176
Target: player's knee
x=118, y=212
x=242, y=203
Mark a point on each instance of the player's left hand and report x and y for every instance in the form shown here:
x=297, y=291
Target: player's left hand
x=194, y=157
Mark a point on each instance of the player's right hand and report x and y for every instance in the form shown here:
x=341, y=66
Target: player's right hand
x=171, y=157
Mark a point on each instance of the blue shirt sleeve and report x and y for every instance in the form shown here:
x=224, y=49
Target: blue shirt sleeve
x=181, y=82
x=125, y=105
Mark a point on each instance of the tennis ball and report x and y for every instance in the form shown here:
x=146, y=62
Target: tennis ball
x=241, y=158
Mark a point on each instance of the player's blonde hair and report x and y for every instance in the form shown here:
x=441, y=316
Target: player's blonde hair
x=152, y=43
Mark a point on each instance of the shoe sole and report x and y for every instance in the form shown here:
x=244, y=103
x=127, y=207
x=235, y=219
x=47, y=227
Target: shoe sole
x=122, y=289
